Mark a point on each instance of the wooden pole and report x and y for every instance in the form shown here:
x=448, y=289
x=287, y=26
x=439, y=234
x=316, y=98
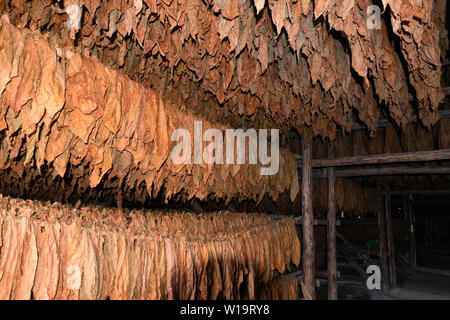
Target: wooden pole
x=390, y=240
x=331, y=228
x=308, y=220
x=382, y=238
x=412, y=235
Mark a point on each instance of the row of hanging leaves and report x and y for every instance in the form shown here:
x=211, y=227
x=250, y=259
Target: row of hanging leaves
x=80, y=120
x=54, y=251
x=303, y=63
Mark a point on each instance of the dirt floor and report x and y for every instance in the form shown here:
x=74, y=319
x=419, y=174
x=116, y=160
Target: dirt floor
x=418, y=286
x=427, y=283
x=423, y=286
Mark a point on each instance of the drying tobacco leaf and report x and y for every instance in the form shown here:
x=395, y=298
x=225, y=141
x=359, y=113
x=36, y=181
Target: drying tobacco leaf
x=286, y=55
x=100, y=127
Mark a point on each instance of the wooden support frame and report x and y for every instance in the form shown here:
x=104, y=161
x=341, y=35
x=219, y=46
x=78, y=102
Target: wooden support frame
x=383, y=171
x=308, y=220
x=382, y=238
x=331, y=228
x=384, y=158
x=329, y=171
x=390, y=241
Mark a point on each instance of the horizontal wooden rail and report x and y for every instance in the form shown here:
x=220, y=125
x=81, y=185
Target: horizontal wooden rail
x=382, y=171
x=360, y=160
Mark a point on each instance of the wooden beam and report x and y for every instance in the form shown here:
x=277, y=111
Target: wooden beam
x=308, y=220
x=382, y=238
x=384, y=158
x=331, y=228
x=382, y=171
x=389, y=171
x=390, y=241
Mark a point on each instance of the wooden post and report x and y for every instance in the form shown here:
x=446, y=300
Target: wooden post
x=412, y=235
x=331, y=228
x=382, y=238
x=390, y=240
x=308, y=220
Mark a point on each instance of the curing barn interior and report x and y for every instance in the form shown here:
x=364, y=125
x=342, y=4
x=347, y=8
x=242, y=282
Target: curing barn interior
x=123, y=174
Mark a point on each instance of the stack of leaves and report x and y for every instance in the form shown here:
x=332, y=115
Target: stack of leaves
x=77, y=119
x=304, y=64
x=280, y=288
x=53, y=251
